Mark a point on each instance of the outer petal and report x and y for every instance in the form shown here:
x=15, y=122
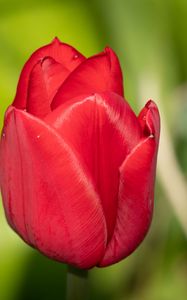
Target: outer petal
x=96, y=74
x=66, y=55
x=136, y=191
x=102, y=129
x=48, y=196
x=10, y=177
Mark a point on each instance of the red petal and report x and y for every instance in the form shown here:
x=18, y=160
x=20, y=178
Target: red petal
x=136, y=194
x=96, y=74
x=53, y=202
x=64, y=54
x=103, y=130
x=44, y=81
x=10, y=175
x=150, y=120
x=37, y=99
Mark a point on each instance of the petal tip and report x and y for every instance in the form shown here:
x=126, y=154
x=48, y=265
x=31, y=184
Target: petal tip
x=149, y=119
x=151, y=104
x=56, y=41
x=109, y=52
x=108, y=49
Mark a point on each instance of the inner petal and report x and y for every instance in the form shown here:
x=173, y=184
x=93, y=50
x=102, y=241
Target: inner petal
x=65, y=54
x=45, y=79
x=97, y=74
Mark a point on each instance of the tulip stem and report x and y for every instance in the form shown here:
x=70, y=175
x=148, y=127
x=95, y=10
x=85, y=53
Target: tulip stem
x=77, y=284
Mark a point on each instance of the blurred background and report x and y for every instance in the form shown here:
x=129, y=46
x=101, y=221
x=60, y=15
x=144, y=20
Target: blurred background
x=149, y=37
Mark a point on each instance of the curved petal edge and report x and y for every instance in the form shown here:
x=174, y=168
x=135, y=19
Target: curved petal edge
x=64, y=221
x=136, y=191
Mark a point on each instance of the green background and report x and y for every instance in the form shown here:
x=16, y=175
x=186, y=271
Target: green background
x=149, y=37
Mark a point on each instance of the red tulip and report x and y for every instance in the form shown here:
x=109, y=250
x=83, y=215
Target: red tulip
x=77, y=166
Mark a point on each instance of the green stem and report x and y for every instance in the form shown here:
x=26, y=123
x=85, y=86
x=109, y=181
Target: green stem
x=77, y=284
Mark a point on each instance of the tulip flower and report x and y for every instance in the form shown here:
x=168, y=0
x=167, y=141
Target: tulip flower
x=77, y=166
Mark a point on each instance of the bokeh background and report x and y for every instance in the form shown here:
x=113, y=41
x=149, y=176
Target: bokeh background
x=149, y=37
